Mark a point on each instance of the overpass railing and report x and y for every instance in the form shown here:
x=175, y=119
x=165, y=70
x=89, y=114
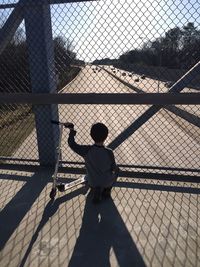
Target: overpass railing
x=131, y=64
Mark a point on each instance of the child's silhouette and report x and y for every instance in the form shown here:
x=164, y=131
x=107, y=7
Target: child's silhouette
x=102, y=170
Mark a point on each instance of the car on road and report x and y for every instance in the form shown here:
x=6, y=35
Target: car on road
x=169, y=84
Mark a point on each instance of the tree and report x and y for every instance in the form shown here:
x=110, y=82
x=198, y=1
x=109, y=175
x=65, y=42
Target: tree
x=64, y=54
x=14, y=64
x=178, y=48
x=190, y=53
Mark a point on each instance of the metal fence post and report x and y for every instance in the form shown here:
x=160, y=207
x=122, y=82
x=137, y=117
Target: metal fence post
x=11, y=25
x=43, y=78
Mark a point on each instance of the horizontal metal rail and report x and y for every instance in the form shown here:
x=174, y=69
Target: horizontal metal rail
x=51, y=2
x=92, y=98
x=151, y=111
x=4, y=6
x=126, y=174
x=195, y=120
x=131, y=166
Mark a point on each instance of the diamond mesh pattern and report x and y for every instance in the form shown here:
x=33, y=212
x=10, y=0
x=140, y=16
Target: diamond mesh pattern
x=157, y=221
x=123, y=46
x=104, y=47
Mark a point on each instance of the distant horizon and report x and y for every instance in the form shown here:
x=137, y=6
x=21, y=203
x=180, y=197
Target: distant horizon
x=108, y=29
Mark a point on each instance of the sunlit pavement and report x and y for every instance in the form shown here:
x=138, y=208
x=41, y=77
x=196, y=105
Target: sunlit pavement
x=146, y=223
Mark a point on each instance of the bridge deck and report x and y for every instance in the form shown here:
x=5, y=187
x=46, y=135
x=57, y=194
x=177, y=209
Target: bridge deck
x=150, y=223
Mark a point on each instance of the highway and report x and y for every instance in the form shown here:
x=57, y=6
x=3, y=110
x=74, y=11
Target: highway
x=164, y=140
x=150, y=220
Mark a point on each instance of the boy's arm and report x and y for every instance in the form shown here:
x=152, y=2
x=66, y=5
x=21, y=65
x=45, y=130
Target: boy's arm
x=114, y=166
x=79, y=149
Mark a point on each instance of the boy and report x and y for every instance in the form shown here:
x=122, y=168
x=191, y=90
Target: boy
x=102, y=170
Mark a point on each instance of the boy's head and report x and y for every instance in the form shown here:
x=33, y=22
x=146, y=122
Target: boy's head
x=99, y=132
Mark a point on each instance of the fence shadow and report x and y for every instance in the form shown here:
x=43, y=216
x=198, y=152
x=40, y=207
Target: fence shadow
x=104, y=230
x=103, y=236
x=160, y=187
x=13, y=213
x=50, y=209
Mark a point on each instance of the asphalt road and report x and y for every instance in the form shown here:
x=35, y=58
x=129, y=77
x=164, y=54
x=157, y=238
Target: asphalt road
x=146, y=223
x=164, y=140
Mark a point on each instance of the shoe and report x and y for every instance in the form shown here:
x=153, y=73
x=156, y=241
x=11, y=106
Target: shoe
x=97, y=195
x=106, y=192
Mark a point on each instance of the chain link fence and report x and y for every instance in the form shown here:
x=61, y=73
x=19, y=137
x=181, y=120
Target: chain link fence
x=103, y=47
x=147, y=223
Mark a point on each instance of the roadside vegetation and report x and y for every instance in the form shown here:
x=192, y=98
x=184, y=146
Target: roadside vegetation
x=15, y=126
x=17, y=121
x=164, y=58
x=177, y=49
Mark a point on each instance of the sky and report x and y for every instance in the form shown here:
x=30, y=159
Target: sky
x=109, y=28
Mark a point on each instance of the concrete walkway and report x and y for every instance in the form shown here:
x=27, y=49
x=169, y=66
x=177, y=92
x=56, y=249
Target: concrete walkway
x=150, y=223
